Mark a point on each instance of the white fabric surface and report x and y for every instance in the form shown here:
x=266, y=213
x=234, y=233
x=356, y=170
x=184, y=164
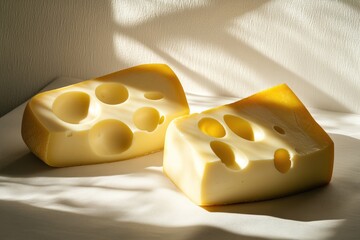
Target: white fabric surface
x=133, y=200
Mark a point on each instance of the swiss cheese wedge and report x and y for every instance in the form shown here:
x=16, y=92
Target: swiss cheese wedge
x=118, y=116
x=261, y=147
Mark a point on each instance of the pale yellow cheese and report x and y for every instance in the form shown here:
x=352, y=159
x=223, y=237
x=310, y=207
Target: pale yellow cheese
x=262, y=147
x=118, y=116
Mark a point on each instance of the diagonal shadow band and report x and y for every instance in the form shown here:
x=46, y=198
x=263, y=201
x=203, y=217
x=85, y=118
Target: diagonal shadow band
x=21, y=221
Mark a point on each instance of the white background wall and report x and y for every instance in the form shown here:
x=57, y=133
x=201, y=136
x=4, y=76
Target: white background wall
x=230, y=48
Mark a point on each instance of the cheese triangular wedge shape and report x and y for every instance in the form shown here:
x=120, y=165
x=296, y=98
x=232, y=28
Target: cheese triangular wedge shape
x=261, y=147
x=118, y=116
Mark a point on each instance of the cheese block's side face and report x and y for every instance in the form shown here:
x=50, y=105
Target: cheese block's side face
x=118, y=116
x=258, y=148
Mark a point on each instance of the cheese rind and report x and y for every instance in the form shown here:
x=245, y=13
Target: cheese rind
x=261, y=147
x=118, y=116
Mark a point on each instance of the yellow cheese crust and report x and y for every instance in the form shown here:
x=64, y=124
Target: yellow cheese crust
x=34, y=132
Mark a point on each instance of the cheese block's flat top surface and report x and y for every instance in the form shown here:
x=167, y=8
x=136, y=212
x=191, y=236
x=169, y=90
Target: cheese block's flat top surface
x=134, y=200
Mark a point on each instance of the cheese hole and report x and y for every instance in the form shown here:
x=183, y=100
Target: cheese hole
x=225, y=153
x=147, y=118
x=161, y=120
x=68, y=133
x=282, y=160
x=111, y=93
x=240, y=127
x=153, y=95
x=110, y=137
x=279, y=130
x=211, y=127
x=71, y=107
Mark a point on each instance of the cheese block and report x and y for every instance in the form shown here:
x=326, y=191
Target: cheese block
x=118, y=116
x=261, y=147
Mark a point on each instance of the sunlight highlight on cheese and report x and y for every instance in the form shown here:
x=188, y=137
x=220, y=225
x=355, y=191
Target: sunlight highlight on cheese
x=118, y=116
x=261, y=147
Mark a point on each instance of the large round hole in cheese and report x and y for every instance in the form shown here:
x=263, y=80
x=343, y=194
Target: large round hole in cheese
x=225, y=153
x=71, y=107
x=110, y=137
x=240, y=127
x=154, y=95
x=112, y=93
x=146, y=118
x=211, y=127
x=282, y=160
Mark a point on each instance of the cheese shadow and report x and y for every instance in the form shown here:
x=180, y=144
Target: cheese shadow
x=29, y=165
x=19, y=221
